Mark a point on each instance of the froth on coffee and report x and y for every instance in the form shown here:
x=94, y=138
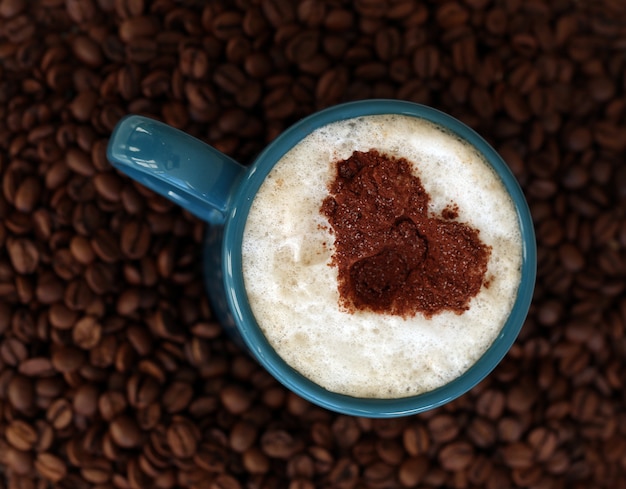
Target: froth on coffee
x=291, y=283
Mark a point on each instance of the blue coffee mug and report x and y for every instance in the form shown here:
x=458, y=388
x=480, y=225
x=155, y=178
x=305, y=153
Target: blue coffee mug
x=220, y=191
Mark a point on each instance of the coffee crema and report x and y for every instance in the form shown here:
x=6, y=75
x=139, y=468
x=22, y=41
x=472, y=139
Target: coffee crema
x=292, y=283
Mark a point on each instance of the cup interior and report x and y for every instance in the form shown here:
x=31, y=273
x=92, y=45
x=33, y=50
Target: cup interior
x=254, y=338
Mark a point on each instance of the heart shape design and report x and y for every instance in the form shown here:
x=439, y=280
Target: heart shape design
x=392, y=255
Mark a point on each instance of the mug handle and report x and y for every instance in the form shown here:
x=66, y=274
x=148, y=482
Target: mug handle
x=175, y=165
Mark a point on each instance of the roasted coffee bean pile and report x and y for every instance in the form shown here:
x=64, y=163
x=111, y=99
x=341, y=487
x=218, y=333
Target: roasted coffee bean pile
x=113, y=372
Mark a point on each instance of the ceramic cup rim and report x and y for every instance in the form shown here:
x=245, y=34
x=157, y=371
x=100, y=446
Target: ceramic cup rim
x=254, y=338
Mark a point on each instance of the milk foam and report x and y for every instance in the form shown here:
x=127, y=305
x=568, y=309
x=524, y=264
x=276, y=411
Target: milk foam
x=292, y=288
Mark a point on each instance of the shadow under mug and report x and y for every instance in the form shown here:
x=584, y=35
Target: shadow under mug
x=220, y=191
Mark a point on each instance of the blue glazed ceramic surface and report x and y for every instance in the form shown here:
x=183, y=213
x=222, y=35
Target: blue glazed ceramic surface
x=220, y=191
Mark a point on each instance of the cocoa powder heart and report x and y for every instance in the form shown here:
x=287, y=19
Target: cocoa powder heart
x=392, y=255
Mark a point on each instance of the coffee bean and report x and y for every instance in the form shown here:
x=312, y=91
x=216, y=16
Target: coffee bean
x=464, y=54
x=36, y=367
x=175, y=114
x=59, y=414
x=227, y=25
x=412, y=471
x=182, y=439
x=100, y=276
x=243, y=436
x=279, y=103
x=510, y=429
x=456, y=455
x=224, y=481
x=81, y=250
x=158, y=82
x=515, y=106
x=390, y=451
x=87, y=51
x=141, y=341
x=125, y=358
x=236, y=399
x=21, y=435
x=21, y=393
x=79, y=161
x=81, y=12
x=108, y=185
x=426, y=62
x=229, y=77
x=302, y=46
x=45, y=435
x=346, y=431
x=338, y=20
x=27, y=195
x=67, y=358
x=522, y=397
x=141, y=391
x=135, y=239
x=128, y=302
x=49, y=288
x=345, y=472
x=97, y=471
x=255, y=461
x=518, y=455
x=311, y=13
x=113, y=48
x=127, y=8
x=331, y=86
x=141, y=50
x=149, y=417
x=50, y=467
x=86, y=400
x=571, y=257
x=19, y=29
x=61, y=317
x=278, y=12
x=193, y=63
x=378, y=472
x=104, y=244
x=86, y=333
x=110, y=404
x=125, y=432
x=279, y=444
x=137, y=27
x=23, y=254
x=128, y=81
x=177, y=397
x=388, y=44
x=416, y=440
x=321, y=434
x=482, y=432
x=19, y=462
x=13, y=351
x=443, y=428
x=491, y=404
x=23, y=325
x=11, y=8
x=371, y=71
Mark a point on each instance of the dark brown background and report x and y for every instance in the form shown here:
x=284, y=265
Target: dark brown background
x=112, y=370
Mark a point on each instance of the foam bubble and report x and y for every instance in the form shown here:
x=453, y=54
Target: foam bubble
x=292, y=288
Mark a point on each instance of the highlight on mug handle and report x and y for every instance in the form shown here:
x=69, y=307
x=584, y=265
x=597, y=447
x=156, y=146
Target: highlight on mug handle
x=175, y=165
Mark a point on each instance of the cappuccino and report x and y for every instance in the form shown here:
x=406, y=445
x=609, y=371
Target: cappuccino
x=289, y=259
